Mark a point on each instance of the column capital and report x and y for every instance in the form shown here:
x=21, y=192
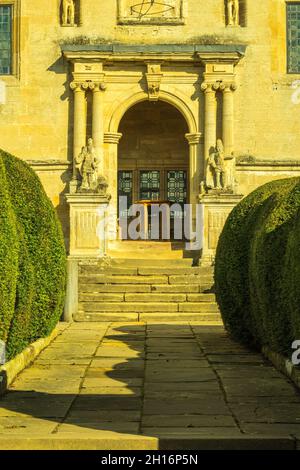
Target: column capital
x=228, y=86
x=210, y=87
x=112, y=137
x=193, y=138
x=97, y=86
x=79, y=86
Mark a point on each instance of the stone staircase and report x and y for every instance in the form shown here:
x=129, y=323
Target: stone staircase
x=146, y=290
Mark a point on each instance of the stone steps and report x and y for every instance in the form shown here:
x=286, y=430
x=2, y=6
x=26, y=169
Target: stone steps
x=145, y=288
x=145, y=271
x=148, y=317
x=148, y=262
x=154, y=250
x=146, y=292
x=145, y=297
x=141, y=307
x=106, y=278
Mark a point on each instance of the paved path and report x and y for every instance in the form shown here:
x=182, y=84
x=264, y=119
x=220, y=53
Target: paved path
x=149, y=386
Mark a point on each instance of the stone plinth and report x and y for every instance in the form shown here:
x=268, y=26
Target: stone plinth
x=217, y=207
x=88, y=217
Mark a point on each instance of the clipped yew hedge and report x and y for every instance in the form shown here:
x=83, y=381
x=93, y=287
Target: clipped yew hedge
x=32, y=257
x=257, y=270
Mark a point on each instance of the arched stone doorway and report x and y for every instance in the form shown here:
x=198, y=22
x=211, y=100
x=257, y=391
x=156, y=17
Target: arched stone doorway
x=153, y=154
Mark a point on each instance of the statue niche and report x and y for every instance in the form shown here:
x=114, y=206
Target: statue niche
x=220, y=170
x=87, y=164
x=68, y=12
x=233, y=12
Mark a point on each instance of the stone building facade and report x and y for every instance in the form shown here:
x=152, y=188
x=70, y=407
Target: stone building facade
x=155, y=85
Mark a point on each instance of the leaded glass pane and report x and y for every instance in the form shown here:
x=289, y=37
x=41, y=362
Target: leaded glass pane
x=5, y=39
x=150, y=185
x=293, y=37
x=125, y=188
x=177, y=186
x=176, y=190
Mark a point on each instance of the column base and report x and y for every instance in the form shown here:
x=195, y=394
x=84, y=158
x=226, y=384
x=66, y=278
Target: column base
x=217, y=207
x=88, y=221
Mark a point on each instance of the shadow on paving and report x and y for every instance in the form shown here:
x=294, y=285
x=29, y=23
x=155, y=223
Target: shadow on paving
x=162, y=380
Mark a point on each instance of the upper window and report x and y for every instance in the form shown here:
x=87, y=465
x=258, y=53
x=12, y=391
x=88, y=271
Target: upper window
x=293, y=37
x=6, y=35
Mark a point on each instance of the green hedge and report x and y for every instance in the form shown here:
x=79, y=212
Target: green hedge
x=8, y=257
x=35, y=269
x=257, y=270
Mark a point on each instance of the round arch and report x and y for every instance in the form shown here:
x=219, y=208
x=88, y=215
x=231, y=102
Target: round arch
x=121, y=108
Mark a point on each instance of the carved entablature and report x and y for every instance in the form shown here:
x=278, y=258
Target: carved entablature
x=154, y=77
x=91, y=72
x=219, y=73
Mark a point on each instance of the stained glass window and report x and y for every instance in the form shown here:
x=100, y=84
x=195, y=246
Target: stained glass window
x=293, y=37
x=150, y=185
x=177, y=186
x=125, y=188
x=5, y=39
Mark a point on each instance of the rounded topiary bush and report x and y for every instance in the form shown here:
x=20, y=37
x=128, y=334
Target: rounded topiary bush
x=37, y=264
x=257, y=270
x=8, y=257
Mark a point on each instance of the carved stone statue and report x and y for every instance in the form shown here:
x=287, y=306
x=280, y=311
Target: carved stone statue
x=87, y=164
x=216, y=169
x=68, y=13
x=220, y=170
x=233, y=12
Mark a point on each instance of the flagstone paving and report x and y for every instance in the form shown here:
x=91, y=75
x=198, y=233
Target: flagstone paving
x=135, y=385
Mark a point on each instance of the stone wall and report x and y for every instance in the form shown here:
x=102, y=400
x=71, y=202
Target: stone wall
x=37, y=119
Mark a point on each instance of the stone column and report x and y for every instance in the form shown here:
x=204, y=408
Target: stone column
x=97, y=119
x=228, y=117
x=111, y=141
x=80, y=112
x=195, y=169
x=210, y=125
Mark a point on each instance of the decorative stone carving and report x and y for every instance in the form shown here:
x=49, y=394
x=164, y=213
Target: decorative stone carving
x=215, y=170
x=153, y=77
x=88, y=222
x=68, y=13
x=216, y=222
x=87, y=164
x=216, y=207
x=95, y=86
x=228, y=86
x=84, y=86
x=202, y=189
x=220, y=170
x=233, y=12
x=151, y=11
